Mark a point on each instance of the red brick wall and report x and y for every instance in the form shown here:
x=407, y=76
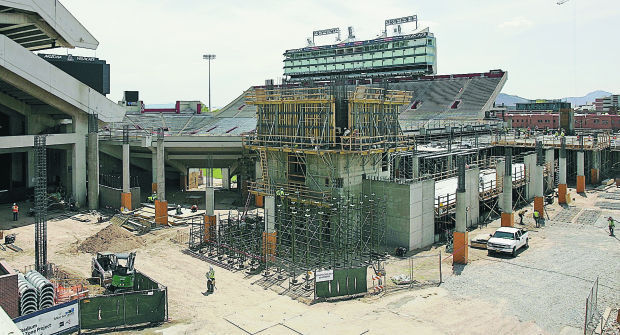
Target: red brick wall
x=9, y=294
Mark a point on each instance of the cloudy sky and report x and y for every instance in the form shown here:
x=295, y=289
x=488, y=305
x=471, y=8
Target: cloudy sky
x=156, y=46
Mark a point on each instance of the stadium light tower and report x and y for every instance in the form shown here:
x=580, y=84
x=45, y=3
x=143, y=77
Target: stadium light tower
x=209, y=57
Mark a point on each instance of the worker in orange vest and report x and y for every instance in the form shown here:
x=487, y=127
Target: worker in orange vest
x=15, y=211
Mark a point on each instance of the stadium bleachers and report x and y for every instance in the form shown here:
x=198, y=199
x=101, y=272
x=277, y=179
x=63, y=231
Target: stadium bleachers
x=435, y=97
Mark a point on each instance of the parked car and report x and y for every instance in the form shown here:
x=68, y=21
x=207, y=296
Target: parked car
x=508, y=240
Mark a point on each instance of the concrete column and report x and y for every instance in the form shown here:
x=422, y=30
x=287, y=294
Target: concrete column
x=93, y=171
x=210, y=201
x=183, y=180
x=538, y=189
x=562, y=188
x=550, y=162
x=226, y=178
x=78, y=160
x=161, y=205
x=472, y=182
x=126, y=194
x=595, y=171
x=581, y=177
x=529, y=161
x=270, y=213
x=154, y=171
x=507, y=219
x=460, y=251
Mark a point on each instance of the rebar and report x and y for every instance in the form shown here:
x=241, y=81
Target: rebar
x=40, y=204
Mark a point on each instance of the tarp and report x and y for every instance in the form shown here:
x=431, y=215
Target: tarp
x=346, y=282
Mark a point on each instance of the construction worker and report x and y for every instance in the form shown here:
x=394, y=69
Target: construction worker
x=210, y=280
x=537, y=218
x=152, y=198
x=612, y=224
x=194, y=208
x=280, y=192
x=521, y=214
x=15, y=210
x=179, y=212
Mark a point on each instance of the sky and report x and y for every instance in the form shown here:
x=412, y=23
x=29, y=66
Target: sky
x=156, y=46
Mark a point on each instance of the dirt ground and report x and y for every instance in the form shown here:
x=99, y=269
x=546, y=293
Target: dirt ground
x=240, y=307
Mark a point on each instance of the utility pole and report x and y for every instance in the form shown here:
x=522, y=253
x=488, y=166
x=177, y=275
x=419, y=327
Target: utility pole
x=209, y=57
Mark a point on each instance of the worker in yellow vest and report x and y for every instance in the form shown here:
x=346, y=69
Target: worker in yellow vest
x=537, y=218
x=15, y=210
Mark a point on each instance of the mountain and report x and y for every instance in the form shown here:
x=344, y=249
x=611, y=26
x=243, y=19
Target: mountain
x=511, y=100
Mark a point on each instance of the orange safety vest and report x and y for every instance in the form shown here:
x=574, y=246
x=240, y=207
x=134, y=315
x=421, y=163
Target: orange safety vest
x=15, y=209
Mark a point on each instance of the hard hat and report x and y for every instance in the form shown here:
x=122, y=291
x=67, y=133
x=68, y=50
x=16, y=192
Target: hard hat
x=14, y=204
x=210, y=268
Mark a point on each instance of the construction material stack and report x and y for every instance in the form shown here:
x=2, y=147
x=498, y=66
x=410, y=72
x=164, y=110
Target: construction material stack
x=45, y=289
x=28, y=297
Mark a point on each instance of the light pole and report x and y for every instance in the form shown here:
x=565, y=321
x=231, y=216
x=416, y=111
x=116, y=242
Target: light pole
x=209, y=57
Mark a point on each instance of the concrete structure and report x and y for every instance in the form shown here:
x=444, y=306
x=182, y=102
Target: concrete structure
x=460, y=249
x=507, y=219
x=9, y=293
x=38, y=98
x=550, y=164
x=562, y=187
x=161, y=205
x=581, y=176
x=538, y=180
x=126, y=195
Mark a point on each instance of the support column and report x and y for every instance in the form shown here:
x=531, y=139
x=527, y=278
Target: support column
x=78, y=160
x=161, y=205
x=225, y=179
x=210, y=201
x=126, y=195
x=595, y=176
x=550, y=163
x=415, y=167
x=538, y=180
x=154, y=171
x=529, y=161
x=460, y=250
x=508, y=219
x=581, y=177
x=93, y=170
x=562, y=189
x=183, y=181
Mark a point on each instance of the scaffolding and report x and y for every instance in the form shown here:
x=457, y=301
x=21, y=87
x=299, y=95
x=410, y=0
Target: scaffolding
x=40, y=204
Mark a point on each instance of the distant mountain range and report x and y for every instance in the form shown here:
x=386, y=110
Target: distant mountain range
x=511, y=100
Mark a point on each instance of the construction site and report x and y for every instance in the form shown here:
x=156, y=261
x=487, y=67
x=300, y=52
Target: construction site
x=360, y=193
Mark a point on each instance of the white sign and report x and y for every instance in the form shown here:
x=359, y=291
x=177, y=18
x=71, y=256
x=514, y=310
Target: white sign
x=59, y=319
x=324, y=275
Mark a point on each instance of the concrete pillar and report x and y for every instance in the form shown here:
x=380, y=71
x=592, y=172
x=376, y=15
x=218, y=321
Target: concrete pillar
x=460, y=251
x=562, y=188
x=529, y=162
x=550, y=163
x=581, y=177
x=270, y=213
x=472, y=182
x=210, y=200
x=595, y=171
x=93, y=171
x=154, y=171
x=538, y=189
x=507, y=219
x=161, y=205
x=225, y=179
x=183, y=181
x=78, y=170
x=126, y=194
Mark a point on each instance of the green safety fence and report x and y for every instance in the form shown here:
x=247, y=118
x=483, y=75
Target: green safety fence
x=147, y=304
x=345, y=282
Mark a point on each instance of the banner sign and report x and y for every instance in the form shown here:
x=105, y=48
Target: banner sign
x=326, y=275
x=60, y=319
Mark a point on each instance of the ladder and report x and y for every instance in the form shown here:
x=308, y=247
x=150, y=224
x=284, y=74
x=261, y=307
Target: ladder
x=263, y=165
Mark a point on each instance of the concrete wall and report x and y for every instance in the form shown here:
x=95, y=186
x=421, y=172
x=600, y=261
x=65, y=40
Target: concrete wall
x=410, y=213
x=111, y=197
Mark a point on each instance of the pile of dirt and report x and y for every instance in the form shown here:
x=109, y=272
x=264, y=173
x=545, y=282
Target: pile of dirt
x=111, y=238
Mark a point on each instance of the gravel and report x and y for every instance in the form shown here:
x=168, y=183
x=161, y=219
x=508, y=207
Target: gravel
x=549, y=282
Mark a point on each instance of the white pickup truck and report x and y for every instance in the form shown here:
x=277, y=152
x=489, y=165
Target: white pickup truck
x=508, y=240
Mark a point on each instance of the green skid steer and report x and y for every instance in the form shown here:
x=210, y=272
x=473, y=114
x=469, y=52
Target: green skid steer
x=113, y=274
